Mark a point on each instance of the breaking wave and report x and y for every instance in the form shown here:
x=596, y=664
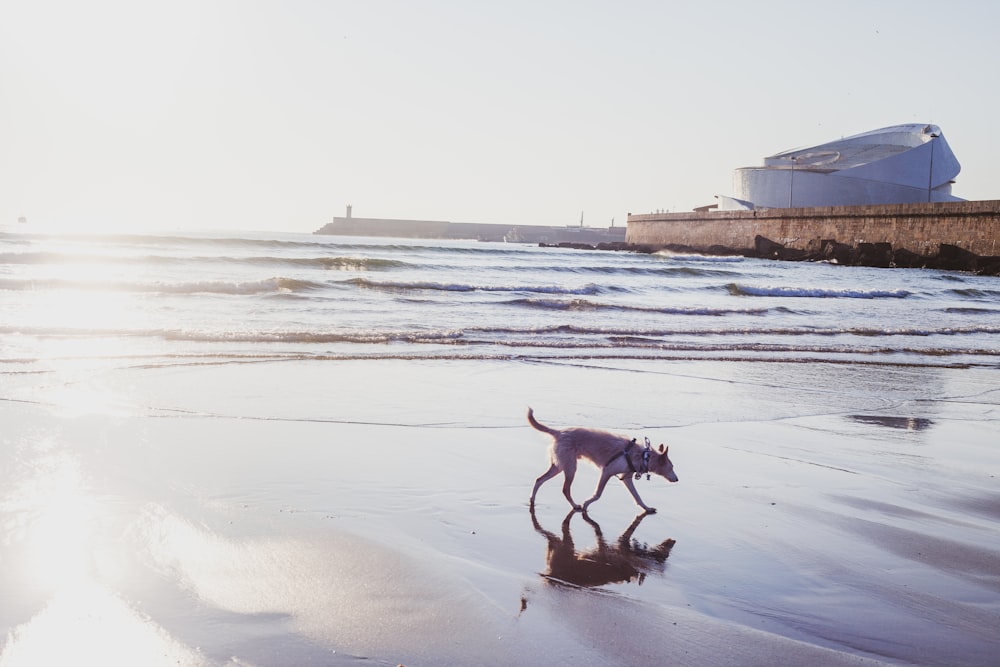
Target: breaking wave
x=418, y=285
x=570, y=334
x=329, y=263
x=588, y=305
x=816, y=293
x=275, y=285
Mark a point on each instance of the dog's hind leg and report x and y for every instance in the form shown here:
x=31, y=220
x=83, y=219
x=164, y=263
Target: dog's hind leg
x=549, y=474
x=569, y=472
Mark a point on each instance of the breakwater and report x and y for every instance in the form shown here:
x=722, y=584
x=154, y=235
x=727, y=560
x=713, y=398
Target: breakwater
x=954, y=235
x=433, y=229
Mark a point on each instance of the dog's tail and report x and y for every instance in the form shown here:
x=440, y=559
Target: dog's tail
x=540, y=426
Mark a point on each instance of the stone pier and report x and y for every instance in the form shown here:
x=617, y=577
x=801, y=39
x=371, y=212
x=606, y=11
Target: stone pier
x=973, y=226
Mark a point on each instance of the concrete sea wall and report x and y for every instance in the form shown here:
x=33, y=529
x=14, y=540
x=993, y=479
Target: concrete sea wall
x=922, y=229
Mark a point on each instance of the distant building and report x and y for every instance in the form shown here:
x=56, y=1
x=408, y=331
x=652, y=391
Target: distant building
x=902, y=164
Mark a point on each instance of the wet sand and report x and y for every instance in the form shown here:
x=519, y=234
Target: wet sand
x=349, y=513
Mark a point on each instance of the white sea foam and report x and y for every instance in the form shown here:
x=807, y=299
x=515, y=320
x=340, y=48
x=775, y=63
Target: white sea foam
x=817, y=292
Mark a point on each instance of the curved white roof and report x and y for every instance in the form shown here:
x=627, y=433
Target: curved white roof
x=893, y=165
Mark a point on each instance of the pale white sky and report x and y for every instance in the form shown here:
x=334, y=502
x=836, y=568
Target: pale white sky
x=244, y=114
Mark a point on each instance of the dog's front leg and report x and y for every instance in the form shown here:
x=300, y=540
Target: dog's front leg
x=627, y=481
x=605, y=476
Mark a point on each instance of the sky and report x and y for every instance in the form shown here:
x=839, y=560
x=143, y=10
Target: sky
x=253, y=115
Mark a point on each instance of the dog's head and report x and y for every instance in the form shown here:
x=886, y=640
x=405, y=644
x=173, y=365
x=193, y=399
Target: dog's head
x=662, y=465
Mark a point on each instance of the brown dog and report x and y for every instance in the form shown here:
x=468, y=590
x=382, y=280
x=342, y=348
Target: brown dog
x=613, y=454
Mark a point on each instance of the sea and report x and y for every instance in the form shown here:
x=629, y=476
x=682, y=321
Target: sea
x=112, y=299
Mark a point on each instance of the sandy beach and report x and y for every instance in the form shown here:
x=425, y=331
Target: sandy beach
x=375, y=512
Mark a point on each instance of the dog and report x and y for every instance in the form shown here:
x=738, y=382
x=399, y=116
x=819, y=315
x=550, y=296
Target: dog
x=613, y=454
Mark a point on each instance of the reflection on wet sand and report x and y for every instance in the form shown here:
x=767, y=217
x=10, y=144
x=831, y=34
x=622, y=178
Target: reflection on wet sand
x=624, y=561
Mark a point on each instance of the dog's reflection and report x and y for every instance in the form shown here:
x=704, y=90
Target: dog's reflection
x=621, y=562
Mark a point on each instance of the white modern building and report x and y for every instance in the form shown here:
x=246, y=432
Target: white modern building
x=902, y=164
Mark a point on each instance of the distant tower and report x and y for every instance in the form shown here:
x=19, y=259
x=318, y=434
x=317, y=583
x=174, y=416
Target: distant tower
x=349, y=211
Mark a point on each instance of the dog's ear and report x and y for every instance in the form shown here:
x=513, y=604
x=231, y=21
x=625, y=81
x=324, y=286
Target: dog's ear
x=663, y=450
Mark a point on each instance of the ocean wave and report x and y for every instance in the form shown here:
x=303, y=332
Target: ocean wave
x=314, y=337
x=235, y=336
x=275, y=285
x=697, y=257
x=173, y=240
x=573, y=357
x=30, y=257
x=737, y=289
x=333, y=262
x=538, y=343
x=976, y=293
x=579, y=334
x=419, y=285
x=587, y=305
x=970, y=310
x=183, y=242
x=624, y=270
x=724, y=332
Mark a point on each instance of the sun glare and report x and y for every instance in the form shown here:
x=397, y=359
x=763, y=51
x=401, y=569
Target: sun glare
x=87, y=624
x=53, y=535
x=85, y=307
x=78, y=330
x=55, y=515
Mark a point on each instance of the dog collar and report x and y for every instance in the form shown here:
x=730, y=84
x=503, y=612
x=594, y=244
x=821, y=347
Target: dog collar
x=645, y=462
x=643, y=467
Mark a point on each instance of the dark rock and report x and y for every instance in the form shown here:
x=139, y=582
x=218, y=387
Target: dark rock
x=616, y=246
x=988, y=266
x=874, y=254
x=838, y=253
x=568, y=244
x=907, y=259
x=765, y=248
x=953, y=258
